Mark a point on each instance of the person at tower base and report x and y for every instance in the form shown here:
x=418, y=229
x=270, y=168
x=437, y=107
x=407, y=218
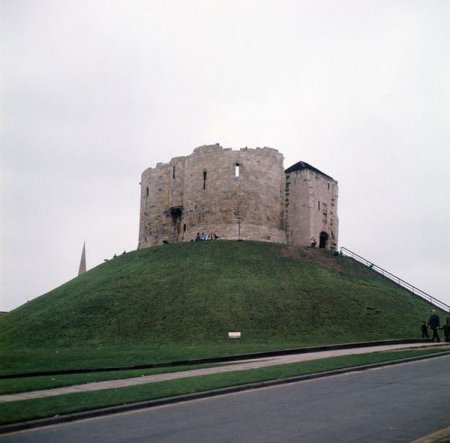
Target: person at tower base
x=434, y=323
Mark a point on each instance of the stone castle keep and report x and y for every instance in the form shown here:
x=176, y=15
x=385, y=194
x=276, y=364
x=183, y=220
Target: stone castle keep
x=238, y=194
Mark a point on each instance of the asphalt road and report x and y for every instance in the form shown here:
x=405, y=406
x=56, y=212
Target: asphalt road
x=392, y=404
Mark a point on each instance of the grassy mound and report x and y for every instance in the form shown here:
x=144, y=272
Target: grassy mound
x=192, y=294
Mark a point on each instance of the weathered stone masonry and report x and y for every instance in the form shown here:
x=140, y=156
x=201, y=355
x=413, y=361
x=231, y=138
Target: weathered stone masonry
x=237, y=194
x=311, y=207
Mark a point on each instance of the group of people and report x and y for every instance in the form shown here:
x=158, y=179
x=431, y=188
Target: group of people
x=203, y=236
x=434, y=323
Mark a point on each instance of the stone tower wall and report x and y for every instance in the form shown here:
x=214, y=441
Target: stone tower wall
x=311, y=208
x=201, y=193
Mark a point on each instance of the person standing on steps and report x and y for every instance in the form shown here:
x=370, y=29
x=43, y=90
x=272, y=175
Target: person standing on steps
x=434, y=323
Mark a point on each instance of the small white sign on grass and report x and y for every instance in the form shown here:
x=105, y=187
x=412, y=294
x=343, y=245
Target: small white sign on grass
x=234, y=335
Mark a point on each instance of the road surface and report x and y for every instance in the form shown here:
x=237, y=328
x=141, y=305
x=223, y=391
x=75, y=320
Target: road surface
x=391, y=404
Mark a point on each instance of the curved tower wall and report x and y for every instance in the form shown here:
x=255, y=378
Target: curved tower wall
x=203, y=193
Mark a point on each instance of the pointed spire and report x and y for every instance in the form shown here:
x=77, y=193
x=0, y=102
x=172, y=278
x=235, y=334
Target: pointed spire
x=82, y=269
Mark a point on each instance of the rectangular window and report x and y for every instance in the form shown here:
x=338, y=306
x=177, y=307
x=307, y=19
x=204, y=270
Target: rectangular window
x=318, y=206
x=204, y=179
x=236, y=169
x=173, y=172
x=147, y=192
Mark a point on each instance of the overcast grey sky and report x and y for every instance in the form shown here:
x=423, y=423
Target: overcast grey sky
x=93, y=92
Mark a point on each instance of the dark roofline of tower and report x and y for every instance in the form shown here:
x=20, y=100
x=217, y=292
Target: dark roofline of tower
x=299, y=166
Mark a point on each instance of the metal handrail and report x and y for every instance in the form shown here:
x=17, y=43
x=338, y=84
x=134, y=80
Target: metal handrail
x=416, y=291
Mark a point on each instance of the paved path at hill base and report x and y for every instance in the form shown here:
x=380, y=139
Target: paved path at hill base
x=236, y=366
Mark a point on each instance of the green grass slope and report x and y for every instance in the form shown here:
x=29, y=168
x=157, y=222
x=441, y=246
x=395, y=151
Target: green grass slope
x=192, y=294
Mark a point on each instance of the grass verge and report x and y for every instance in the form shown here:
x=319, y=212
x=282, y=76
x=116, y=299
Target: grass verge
x=46, y=407
x=28, y=384
x=14, y=361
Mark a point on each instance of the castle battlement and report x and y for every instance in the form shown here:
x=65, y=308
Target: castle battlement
x=236, y=194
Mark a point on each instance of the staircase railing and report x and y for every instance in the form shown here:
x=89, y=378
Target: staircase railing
x=434, y=301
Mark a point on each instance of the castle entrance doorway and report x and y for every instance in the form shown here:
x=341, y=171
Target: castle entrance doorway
x=323, y=240
x=176, y=213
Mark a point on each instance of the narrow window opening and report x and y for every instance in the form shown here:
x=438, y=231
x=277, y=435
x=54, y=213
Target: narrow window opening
x=328, y=186
x=184, y=228
x=318, y=206
x=147, y=192
x=173, y=172
x=236, y=170
x=204, y=179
